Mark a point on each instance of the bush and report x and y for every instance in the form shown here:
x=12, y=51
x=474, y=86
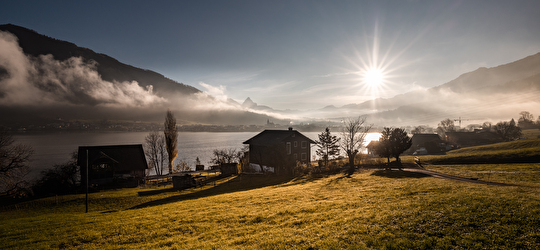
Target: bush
x=61, y=179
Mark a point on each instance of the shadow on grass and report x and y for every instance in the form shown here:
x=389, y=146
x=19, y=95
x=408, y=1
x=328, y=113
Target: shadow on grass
x=158, y=191
x=230, y=185
x=398, y=174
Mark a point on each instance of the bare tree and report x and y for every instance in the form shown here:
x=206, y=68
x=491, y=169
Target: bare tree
x=224, y=156
x=526, y=120
x=182, y=166
x=156, y=151
x=171, y=138
x=446, y=125
x=486, y=126
x=418, y=130
x=13, y=168
x=508, y=130
x=352, y=137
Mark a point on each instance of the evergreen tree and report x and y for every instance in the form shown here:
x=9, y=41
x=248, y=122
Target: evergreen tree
x=383, y=147
x=328, y=146
x=392, y=143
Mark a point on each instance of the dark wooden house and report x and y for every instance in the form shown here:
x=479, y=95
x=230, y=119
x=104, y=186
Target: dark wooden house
x=429, y=143
x=279, y=149
x=467, y=139
x=124, y=165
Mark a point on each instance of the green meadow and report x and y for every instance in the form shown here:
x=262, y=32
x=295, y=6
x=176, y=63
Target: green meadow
x=372, y=209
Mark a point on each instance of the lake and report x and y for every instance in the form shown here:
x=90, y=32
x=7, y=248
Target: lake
x=56, y=148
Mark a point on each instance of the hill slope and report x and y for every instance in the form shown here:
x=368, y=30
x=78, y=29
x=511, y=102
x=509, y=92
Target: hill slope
x=110, y=69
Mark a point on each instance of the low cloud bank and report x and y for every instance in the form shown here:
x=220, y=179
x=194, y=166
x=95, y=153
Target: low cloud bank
x=45, y=81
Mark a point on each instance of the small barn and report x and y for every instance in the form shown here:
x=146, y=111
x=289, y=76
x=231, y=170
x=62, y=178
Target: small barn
x=279, y=149
x=428, y=143
x=467, y=139
x=119, y=165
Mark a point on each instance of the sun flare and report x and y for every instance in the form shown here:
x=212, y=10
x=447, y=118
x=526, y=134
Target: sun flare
x=373, y=77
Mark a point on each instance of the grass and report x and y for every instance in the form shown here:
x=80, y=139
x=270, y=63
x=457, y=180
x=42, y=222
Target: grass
x=527, y=174
x=521, y=151
x=371, y=209
x=531, y=133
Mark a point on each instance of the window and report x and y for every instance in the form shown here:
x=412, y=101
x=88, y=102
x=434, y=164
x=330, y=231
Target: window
x=304, y=144
x=304, y=156
x=288, y=148
x=295, y=144
x=296, y=156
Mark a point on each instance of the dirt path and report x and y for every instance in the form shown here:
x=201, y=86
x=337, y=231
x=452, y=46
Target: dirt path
x=411, y=167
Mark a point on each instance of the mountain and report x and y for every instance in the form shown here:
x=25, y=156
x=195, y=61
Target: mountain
x=486, y=94
x=44, y=79
x=110, y=69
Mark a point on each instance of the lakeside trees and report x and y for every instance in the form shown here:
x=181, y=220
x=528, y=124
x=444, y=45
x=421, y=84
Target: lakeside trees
x=328, y=146
x=13, y=160
x=353, y=135
x=171, y=138
x=156, y=151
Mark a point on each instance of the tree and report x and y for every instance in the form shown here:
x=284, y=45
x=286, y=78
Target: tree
x=393, y=142
x=328, y=146
x=182, y=166
x=486, y=126
x=224, y=156
x=508, y=130
x=418, y=130
x=13, y=168
x=171, y=138
x=61, y=179
x=352, y=137
x=446, y=125
x=156, y=151
x=525, y=120
x=383, y=147
x=400, y=142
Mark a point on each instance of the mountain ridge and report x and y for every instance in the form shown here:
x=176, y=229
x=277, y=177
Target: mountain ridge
x=109, y=68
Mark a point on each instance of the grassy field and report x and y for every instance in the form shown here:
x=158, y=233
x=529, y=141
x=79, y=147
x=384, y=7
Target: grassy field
x=521, y=151
x=372, y=209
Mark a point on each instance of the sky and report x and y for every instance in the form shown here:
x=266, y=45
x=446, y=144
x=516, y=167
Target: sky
x=295, y=54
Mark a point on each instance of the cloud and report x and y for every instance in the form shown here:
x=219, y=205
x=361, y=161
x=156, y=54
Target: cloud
x=217, y=92
x=43, y=80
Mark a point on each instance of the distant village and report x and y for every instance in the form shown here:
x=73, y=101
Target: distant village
x=138, y=126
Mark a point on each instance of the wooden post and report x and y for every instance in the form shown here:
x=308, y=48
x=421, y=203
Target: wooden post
x=86, y=181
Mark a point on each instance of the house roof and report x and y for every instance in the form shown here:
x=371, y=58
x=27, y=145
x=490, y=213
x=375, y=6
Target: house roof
x=372, y=144
x=421, y=138
x=273, y=137
x=128, y=157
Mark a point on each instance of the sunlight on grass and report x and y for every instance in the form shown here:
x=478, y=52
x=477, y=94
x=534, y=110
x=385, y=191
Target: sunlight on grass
x=368, y=210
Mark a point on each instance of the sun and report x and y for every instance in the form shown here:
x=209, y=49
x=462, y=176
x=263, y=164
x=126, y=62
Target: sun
x=373, y=77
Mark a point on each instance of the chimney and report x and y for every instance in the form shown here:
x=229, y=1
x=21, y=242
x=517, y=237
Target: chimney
x=290, y=128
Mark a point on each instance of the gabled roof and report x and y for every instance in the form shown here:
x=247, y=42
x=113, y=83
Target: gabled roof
x=273, y=137
x=128, y=157
x=426, y=137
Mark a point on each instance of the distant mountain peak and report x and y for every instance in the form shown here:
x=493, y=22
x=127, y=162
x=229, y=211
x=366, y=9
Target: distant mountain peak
x=248, y=103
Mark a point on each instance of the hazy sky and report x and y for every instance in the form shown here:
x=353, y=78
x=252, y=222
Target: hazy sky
x=294, y=54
